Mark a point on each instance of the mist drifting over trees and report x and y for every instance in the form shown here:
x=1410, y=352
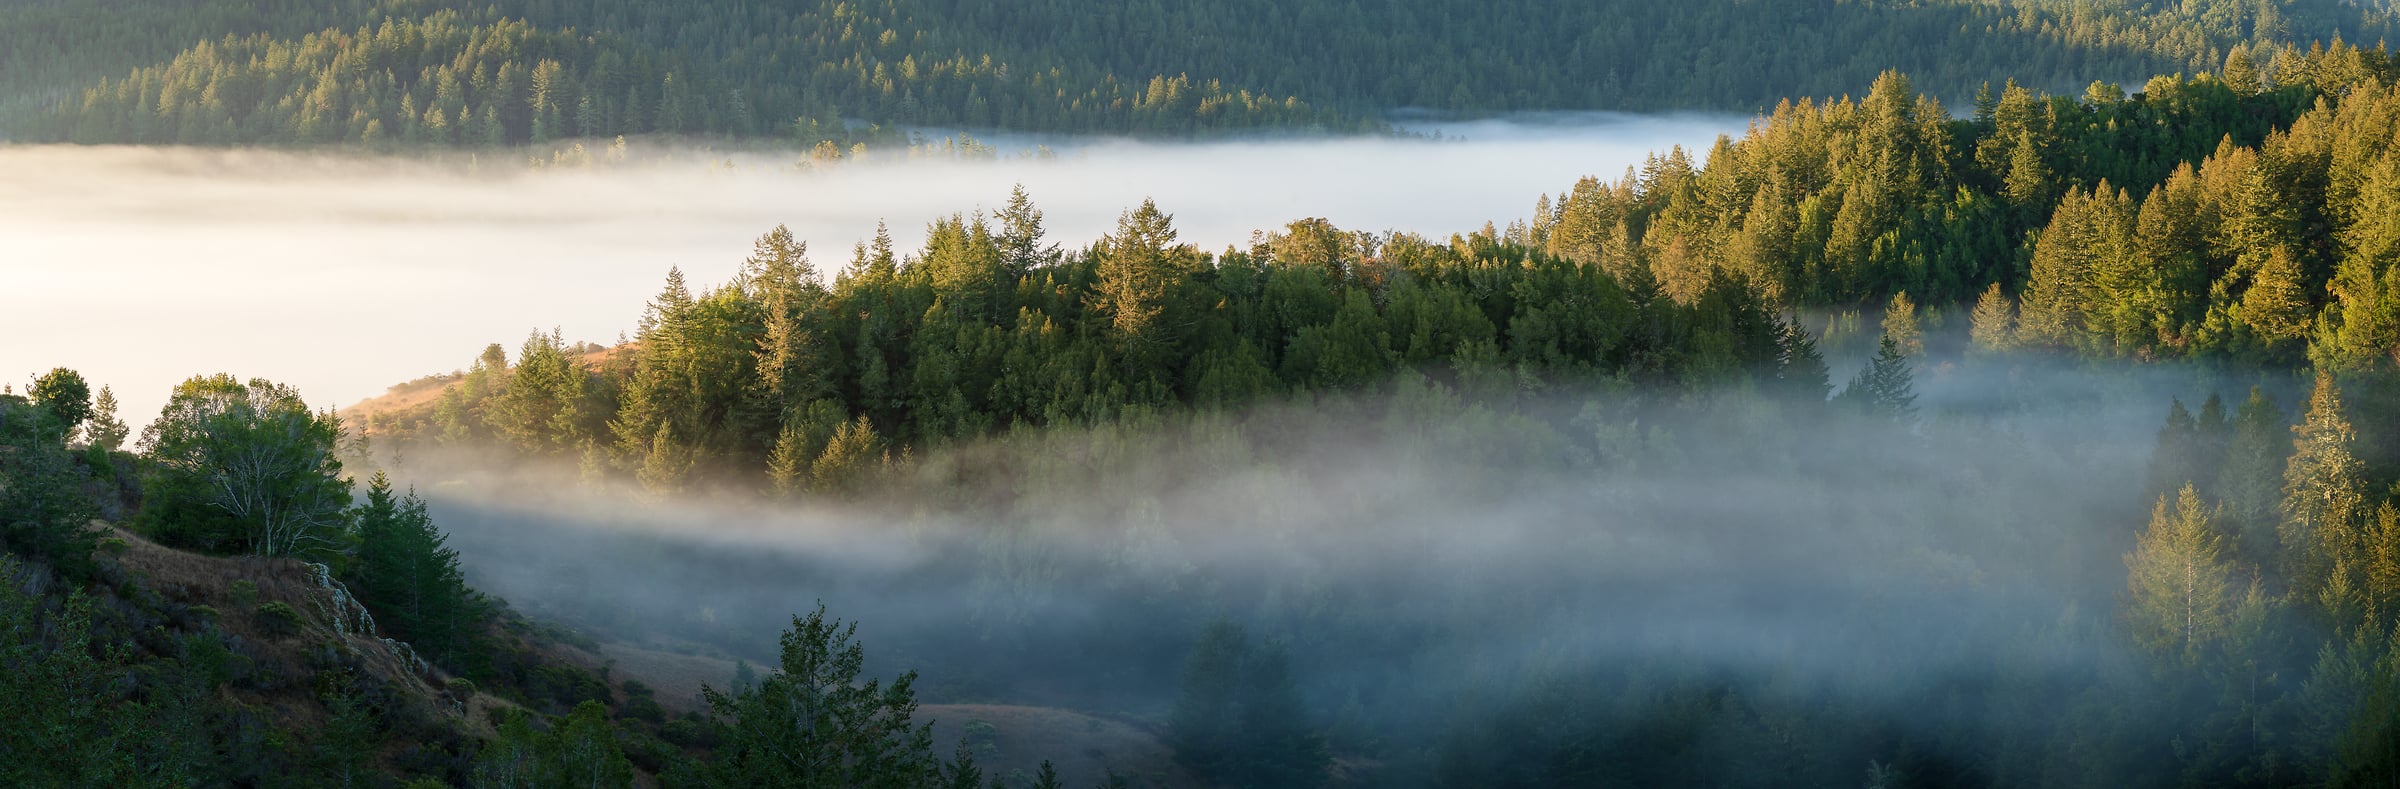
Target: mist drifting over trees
x=925, y=394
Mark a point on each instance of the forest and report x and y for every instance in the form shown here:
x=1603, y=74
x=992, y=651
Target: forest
x=1958, y=430
x=374, y=73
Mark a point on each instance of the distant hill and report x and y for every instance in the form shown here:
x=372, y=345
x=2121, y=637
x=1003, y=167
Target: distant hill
x=295, y=72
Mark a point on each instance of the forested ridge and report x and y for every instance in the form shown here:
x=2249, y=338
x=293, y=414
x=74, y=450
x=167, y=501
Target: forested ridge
x=1861, y=362
x=797, y=70
x=2260, y=238
x=2247, y=240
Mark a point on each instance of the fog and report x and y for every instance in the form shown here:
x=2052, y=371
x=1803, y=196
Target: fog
x=1432, y=561
x=343, y=275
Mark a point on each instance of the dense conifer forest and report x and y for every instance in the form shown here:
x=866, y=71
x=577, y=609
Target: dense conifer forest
x=525, y=71
x=1801, y=460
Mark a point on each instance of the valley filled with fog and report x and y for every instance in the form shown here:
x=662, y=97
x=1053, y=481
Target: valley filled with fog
x=344, y=274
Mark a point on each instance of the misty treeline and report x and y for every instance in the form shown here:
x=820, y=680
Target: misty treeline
x=2265, y=235
x=325, y=72
x=1631, y=348
x=318, y=640
x=2201, y=218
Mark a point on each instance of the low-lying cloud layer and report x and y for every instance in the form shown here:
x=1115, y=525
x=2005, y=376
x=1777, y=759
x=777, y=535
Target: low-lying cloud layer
x=343, y=275
x=1413, y=551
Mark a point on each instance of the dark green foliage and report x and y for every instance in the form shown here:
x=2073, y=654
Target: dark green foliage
x=1678, y=274
x=1239, y=720
x=278, y=618
x=798, y=69
x=244, y=467
x=411, y=582
x=66, y=726
x=442, y=81
x=1885, y=387
x=778, y=382
x=813, y=724
x=45, y=512
x=347, y=751
x=581, y=751
x=63, y=395
x=105, y=432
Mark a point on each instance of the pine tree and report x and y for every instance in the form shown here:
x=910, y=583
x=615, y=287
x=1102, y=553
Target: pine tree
x=410, y=580
x=790, y=365
x=1206, y=725
x=855, y=451
x=1993, y=324
x=1884, y=388
x=539, y=412
x=1136, y=271
x=2179, y=590
x=2324, y=503
x=2241, y=72
x=1280, y=747
x=1900, y=324
x=105, y=430
x=1800, y=371
x=1021, y=247
x=2276, y=307
x=2250, y=481
x=667, y=465
x=2172, y=459
x=788, y=466
x=814, y=724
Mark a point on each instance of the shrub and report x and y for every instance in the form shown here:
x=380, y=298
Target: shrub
x=245, y=593
x=278, y=619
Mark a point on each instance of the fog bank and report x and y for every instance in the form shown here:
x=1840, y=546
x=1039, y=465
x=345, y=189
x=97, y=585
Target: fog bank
x=345, y=274
x=1416, y=551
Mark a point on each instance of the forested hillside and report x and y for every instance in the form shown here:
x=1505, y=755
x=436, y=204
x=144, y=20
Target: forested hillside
x=1635, y=332
x=2262, y=239
x=796, y=69
x=1970, y=431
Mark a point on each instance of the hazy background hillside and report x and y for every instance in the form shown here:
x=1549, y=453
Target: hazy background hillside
x=318, y=70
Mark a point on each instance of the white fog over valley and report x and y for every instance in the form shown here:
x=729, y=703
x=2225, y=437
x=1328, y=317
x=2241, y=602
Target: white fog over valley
x=345, y=274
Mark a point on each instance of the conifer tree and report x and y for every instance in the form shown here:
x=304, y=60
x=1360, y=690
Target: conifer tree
x=1021, y=247
x=666, y=465
x=2324, y=502
x=854, y=451
x=2241, y=72
x=1136, y=271
x=1884, y=388
x=1900, y=324
x=2276, y=307
x=2173, y=459
x=106, y=431
x=1993, y=324
x=814, y=724
x=2180, y=588
x=409, y=578
x=1800, y=371
x=2250, y=482
x=540, y=409
x=1238, y=720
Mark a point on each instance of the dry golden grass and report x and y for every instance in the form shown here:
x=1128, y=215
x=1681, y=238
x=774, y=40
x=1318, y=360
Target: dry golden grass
x=408, y=402
x=402, y=399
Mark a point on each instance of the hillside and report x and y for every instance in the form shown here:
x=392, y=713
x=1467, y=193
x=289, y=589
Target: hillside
x=800, y=70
